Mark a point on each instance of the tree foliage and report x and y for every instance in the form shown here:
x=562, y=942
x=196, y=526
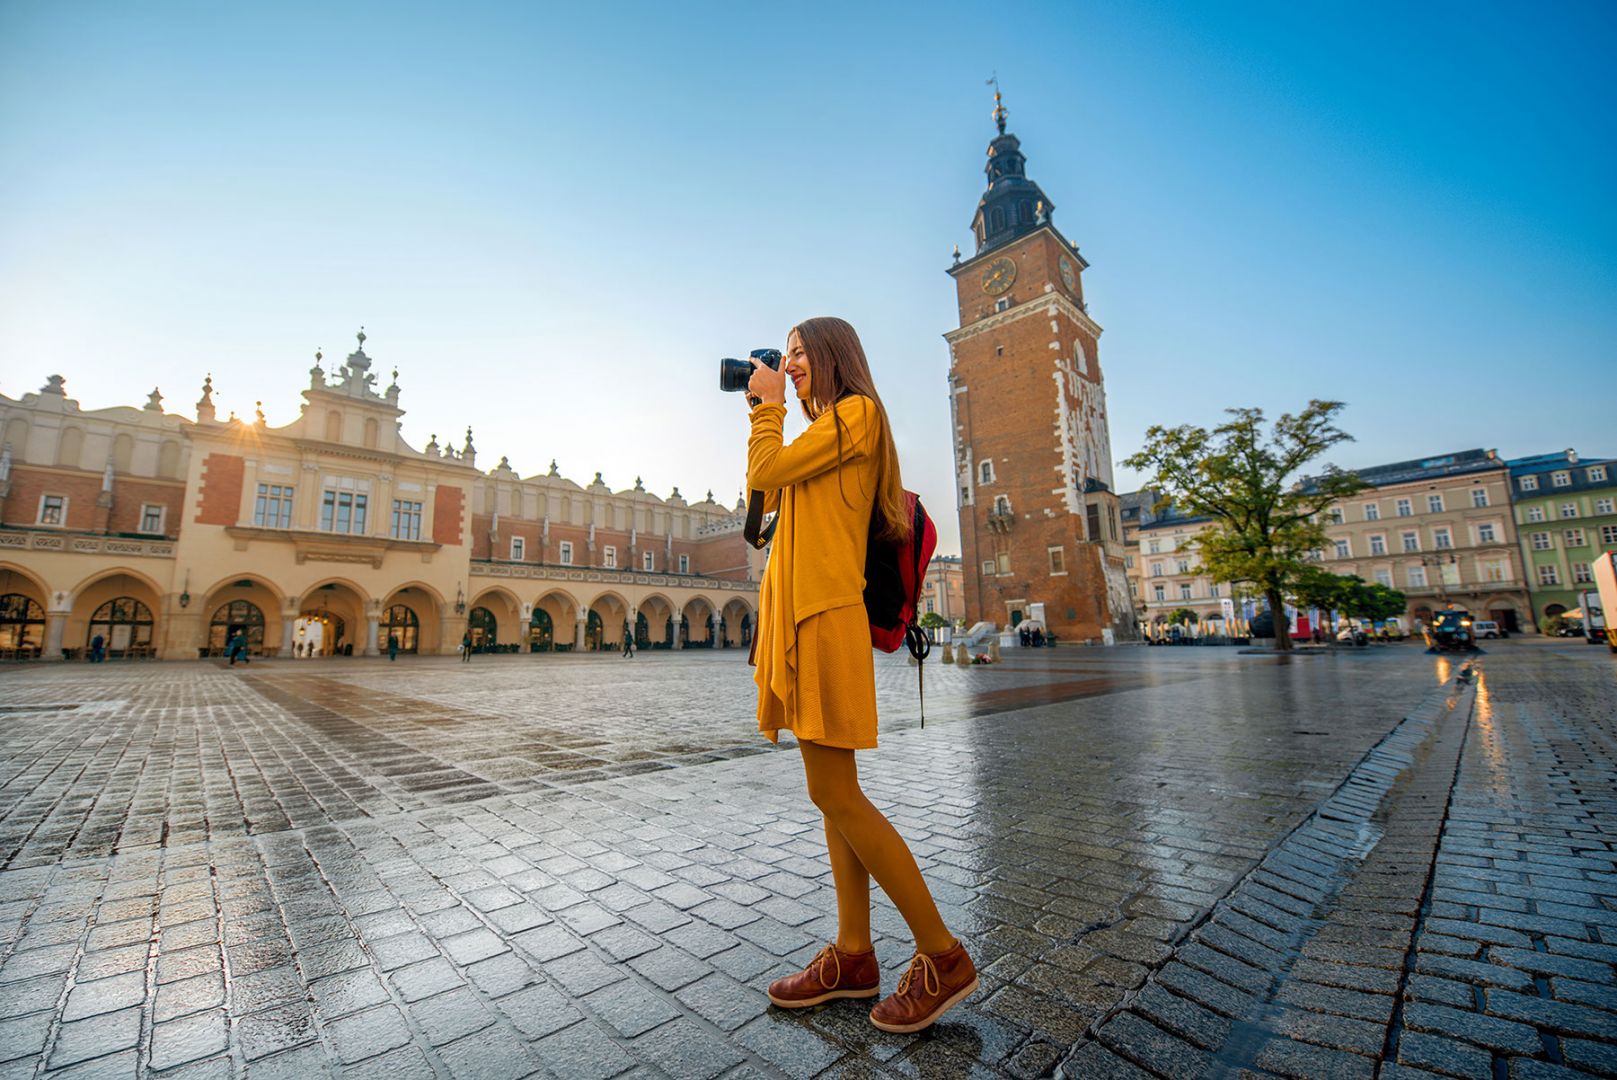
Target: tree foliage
x=1182, y=617
x=933, y=621
x=1241, y=474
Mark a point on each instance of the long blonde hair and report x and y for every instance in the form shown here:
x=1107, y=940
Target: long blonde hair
x=838, y=368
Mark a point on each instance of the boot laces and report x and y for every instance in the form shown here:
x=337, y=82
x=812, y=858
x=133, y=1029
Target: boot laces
x=823, y=957
x=930, y=982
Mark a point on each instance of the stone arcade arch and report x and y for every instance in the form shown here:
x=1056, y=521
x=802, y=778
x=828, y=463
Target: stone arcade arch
x=654, y=627
x=252, y=590
x=561, y=610
x=612, y=612
x=340, y=608
x=23, y=601
x=500, y=622
x=735, y=624
x=699, y=623
x=130, y=638
x=432, y=614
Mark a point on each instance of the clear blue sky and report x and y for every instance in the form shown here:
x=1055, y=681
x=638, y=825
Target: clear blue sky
x=554, y=221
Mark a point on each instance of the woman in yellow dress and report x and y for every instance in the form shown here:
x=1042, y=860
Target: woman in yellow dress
x=816, y=674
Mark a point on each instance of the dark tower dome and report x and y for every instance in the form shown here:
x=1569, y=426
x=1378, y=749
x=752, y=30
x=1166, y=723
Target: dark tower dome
x=1013, y=205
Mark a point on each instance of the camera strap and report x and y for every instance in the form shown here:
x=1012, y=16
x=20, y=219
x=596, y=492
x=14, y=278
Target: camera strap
x=757, y=533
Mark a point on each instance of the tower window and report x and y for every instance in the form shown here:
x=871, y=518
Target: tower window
x=1002, y=303
x=985, y=472
x=1002, y=504
x=996, y=219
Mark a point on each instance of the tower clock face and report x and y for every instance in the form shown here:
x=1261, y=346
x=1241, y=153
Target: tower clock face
x=999, y=276
x=1068, y=277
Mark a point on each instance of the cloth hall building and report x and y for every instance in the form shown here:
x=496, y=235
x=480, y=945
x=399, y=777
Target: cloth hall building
x=168, y=537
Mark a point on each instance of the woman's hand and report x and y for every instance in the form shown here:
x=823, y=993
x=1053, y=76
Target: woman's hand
x=767, y=384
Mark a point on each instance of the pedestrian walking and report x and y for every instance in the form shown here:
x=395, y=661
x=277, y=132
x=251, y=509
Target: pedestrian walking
x=238, y=648
x=628, y=642
x=392, y=647
x=98, y=649
x=833, y=486
x=466, y=647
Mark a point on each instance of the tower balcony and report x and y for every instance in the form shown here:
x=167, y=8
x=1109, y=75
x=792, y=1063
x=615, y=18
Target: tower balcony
x=1001, y=523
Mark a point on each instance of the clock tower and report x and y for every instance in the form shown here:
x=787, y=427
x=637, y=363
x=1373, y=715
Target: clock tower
x=1039, y=528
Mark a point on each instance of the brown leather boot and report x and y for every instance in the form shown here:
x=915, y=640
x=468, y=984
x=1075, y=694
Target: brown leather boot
x=831, y=974
x=931, y=987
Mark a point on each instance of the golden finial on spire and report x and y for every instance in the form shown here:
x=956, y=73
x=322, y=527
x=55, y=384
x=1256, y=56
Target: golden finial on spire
x=999, y=103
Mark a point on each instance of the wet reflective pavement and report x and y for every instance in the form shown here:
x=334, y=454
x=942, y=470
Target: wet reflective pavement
x=587, y=867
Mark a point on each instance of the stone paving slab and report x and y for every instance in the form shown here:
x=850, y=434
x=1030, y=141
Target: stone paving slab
x=587, y=868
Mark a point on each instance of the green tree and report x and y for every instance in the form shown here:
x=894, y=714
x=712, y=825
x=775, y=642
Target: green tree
x=1182, y=617
x=1317, y=587
x=933, y=621
x=1241, y=475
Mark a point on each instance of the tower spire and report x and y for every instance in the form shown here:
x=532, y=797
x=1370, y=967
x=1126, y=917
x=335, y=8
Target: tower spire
x=1000, y=115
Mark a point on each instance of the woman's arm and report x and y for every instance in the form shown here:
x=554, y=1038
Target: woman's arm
x=771, y=465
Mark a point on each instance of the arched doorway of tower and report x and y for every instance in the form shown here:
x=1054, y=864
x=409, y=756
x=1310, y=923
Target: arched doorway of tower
x=426, y=608
x=247, y=603
x=654, y=625
x=735, y=625
x=116, y=605
x=608, y=621
x=333, y=621
x=698, y=625
x=484, y=628
x=553, y=626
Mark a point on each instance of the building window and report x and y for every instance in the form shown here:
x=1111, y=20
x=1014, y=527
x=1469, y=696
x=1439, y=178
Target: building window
x=1411, y=541
x=1479, y=497
x=684, y=564
x=1596, y=474
x=1156, y=569
x=985, y=472
x=1485, y=533
x=1336, y=515
x=1372, y=511
x=1128, y=562
x=930, y=607
x=1417, y=577
x=1184, y=590
x=1581, y=574
x=1002, y=504
x=1404, y=508
x=609, y=557
x=406, y=524
x=1527, y=483
x=1608, y=534
x=273, y=509
x=1184, y=566
x=52, y=509
x=1002, y=303
x=1434, y=504
x=1493, y=571
x=151, y=518
x=1441, y=538
x=1212, y=590
x=988, y=568
x=1574, y=538
x=1549, y=574
x=1561, y=479
x=518, y=549
x=1384, y=577
x=1378, y=545
x=1603, y=506
x=1344, y=550
x=648, y=561
x=965, y=496
x=1161, y=592
x=566, y=553
x=1058, y=560
x=1535, y=513
x=342, y=512
x=1004, y=562
x=1153, y=547
x=1569, y=510
x=1541, y=541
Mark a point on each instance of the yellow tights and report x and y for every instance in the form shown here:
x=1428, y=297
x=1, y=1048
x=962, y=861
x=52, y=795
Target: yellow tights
x=864, y=844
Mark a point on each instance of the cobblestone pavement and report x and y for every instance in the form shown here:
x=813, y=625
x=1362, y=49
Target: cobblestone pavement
x=1166, y=861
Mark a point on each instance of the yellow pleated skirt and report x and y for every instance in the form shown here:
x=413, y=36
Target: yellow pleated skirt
x=832, y=700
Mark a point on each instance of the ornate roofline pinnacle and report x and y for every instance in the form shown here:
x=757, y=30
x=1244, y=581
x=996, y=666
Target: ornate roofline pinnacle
x=1000, y=115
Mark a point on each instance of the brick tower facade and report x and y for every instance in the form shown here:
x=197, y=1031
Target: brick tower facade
x=1039, y=528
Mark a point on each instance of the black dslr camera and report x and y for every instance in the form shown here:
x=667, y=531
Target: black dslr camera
x=735, y=374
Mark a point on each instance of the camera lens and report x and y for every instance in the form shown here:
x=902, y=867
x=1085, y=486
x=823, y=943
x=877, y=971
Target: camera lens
x=734, y=375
